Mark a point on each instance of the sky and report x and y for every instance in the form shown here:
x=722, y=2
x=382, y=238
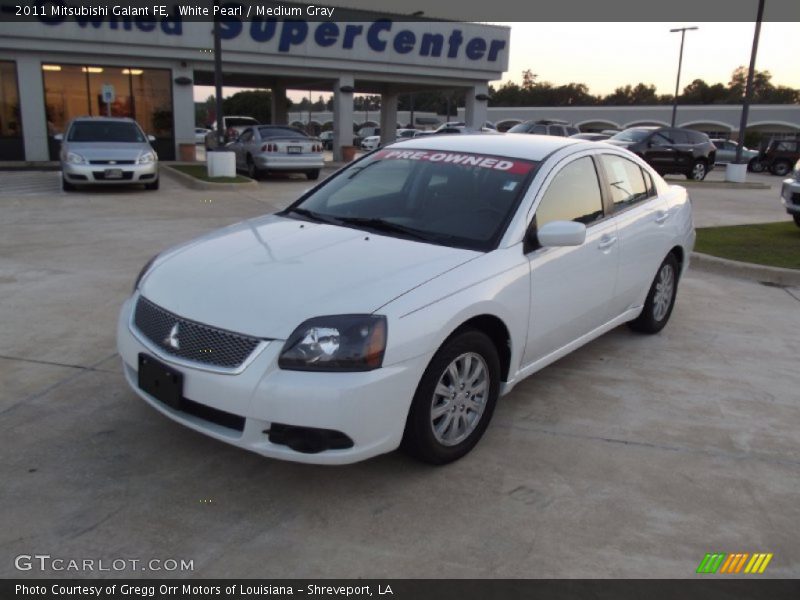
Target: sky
x=605, y=56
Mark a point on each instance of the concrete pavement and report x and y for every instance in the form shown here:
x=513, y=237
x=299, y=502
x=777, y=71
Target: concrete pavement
x=632, y=457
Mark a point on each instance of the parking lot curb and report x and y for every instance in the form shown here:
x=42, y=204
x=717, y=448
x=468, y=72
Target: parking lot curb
x=724, y=185
x=15, y=165
x=196, y=184
x=743, y=270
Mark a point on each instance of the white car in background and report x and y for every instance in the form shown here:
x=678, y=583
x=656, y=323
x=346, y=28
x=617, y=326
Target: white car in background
x=394, y=303
x=374, y=141
x=200, y=134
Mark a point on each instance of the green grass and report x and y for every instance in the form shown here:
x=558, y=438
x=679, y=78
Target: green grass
x=200, y=172
x=773, y=244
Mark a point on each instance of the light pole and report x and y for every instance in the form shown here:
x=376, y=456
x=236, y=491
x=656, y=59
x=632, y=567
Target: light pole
x=683, y=31
x=748, y=90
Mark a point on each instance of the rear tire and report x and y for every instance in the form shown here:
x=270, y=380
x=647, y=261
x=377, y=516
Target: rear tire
x=66, y=185
x=253, y=172
x=313, y=175
x=698, y=172
x=455, y=399
x=781, y=168
x=660, y=299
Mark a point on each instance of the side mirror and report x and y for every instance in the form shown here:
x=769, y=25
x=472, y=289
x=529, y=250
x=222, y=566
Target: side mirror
x=59, y=137
x=562, y=233
x=151, y=138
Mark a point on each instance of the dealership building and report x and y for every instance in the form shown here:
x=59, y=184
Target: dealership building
x=54, y=68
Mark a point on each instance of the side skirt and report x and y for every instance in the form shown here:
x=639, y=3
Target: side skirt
x=540, y=364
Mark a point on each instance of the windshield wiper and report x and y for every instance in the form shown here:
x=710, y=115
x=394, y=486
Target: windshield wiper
x=309, y=214
x=387, y=226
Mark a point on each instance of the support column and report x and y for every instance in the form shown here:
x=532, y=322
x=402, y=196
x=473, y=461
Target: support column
x=280, y=111
x=31, y=101
x=475, y=110
x=388, y=117
x=183, y=111
x=342, y=114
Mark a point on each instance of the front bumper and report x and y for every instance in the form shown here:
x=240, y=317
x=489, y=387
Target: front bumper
x=287, y=162
x=790, y=196
x=370, y=407
x=96, y=174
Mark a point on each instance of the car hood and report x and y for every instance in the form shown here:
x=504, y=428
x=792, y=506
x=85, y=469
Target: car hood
x=265, y=276
x=109, y=150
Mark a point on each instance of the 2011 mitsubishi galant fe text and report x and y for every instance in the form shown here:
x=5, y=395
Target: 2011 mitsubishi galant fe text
x=394, y=303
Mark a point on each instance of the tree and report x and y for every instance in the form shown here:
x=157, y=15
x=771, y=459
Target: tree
x=250, y=103
x=764, y=92
x=699, y=92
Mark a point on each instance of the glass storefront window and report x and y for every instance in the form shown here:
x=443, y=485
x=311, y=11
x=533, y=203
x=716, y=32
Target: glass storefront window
x=141, y=94
x=10, y=125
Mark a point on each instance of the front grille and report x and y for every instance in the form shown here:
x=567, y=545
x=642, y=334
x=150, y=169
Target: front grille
x=101, y=176
x=195, y=342
x=112, y=162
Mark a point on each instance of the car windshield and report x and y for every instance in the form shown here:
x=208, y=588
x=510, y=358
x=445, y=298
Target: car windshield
x=454, y=199
x=105, y=131
x=520, y=128
x=283, y=132
x=632, y=135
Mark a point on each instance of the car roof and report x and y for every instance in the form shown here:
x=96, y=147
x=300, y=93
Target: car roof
x=515, y=145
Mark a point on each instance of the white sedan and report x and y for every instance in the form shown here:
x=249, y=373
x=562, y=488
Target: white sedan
x=374, y=141
x=394, y=303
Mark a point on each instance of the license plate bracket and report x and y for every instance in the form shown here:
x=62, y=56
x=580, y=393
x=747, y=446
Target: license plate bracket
x=113, y=174
x=162, y=382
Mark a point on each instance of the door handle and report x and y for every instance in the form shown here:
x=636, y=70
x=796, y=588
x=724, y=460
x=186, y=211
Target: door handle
x=606, y=242
x=661, y=216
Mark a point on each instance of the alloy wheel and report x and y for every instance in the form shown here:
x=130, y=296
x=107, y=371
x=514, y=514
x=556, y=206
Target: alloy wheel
x=459, y=399
x=665, y=287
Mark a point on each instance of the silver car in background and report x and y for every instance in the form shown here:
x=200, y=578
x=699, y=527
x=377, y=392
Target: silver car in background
x=277, y=148
x=726, y=152
x=107, y=150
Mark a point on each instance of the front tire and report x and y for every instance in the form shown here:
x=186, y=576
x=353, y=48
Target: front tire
x=152, y=186
x=66, y=185
x=660, y=299
x=796, y=220
x=455, y=399
x=757, y=166
x=698, y=172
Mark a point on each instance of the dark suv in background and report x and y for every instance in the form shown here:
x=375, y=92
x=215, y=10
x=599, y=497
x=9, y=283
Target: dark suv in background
x=670, y=149
x=778, y=157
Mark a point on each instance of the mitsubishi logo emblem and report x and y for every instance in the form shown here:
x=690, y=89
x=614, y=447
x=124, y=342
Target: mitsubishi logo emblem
x=172, y=339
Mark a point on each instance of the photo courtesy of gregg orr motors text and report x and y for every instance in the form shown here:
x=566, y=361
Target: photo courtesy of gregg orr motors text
x=186, y=589
x=47, y=562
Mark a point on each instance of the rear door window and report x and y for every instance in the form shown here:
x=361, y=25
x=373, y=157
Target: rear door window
x=626, y=180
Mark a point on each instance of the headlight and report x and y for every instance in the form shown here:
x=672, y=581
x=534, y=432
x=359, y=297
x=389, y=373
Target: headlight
x=75, y=159
x=144, y=271
x=336, y=343
x=147, y=157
